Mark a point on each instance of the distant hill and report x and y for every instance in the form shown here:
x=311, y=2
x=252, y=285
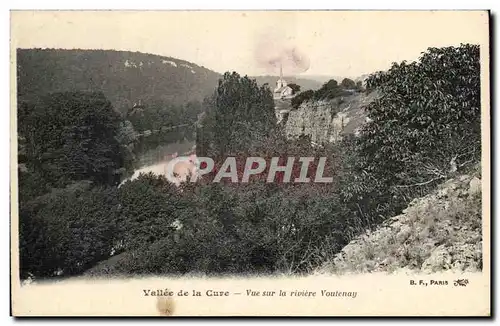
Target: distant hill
x=124, y=77
x=304, y=83
x=324, y=78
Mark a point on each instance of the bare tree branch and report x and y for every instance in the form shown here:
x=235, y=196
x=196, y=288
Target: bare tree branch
x=421, y=183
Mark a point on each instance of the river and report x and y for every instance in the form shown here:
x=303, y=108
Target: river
x=155, y=160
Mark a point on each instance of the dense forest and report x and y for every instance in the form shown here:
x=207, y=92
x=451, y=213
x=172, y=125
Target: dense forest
x=125, y=78
x=424, y=128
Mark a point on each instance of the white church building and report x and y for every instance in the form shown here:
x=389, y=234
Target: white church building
x=282, y=90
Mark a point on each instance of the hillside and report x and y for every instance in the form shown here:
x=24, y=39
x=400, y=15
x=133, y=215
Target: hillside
x=437, y=232
x=124, y=77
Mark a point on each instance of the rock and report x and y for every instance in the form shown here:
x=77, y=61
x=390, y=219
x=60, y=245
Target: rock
x=414, y=202
x=448, y=182
x=447, y=188
x=396, y=218
x=396, y=226
x=464, y=177
x=439, y=260
x=435, y=234
x=404, y=271
x=466, y=257
x=403, y=233
x=474, y=186
x=328, y=120
x=443, y=192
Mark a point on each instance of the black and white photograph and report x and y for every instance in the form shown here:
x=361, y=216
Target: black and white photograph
x=199, y=146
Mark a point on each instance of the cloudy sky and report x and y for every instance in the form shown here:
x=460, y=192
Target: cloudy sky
x=340, y=43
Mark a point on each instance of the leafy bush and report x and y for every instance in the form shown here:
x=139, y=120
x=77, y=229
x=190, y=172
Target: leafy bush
x=295, y=88
x=329, y=90
x=68, y=230
x=252, y=228
x=68, y=137
x=424, y=127
x=348, y=83
x=427, y=118
x=301, y=98
x=148, y=210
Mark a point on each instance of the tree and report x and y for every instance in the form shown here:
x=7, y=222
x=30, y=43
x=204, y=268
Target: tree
x=302, y=97
x=67, y=230
x=238, y=112
x=426, y=120
x=295, y=88
x=348, y=83
x=329, y=90
x=71, y=136
x=148, y=209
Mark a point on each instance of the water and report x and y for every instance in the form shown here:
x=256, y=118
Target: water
x=156, y=160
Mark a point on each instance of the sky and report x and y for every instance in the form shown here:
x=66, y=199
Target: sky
x=331, y=43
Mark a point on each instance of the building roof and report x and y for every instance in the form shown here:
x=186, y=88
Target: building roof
x=281, y=89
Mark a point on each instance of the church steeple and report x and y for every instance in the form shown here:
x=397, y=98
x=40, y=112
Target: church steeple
x=282, y=91
x=280, y=82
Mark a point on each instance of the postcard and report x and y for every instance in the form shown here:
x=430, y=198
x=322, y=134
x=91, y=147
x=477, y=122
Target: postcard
x=250, y=163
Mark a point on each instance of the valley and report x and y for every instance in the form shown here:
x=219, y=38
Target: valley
x=97, y=129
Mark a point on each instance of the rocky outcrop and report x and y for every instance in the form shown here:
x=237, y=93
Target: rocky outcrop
x=328, y=120
x=438, y=232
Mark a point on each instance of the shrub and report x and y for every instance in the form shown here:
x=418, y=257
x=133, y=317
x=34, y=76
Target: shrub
x=427, y=118
x=301, y=98
x=348, y=83
x=69, y=137
x=424, y=126
x=329, y=90
x=149, y=206
x=67, y=230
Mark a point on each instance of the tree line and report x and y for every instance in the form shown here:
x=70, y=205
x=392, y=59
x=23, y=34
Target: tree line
x=329, y=90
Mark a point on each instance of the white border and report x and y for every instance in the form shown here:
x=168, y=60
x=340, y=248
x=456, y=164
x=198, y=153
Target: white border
x=186, y=4
x=254, y=5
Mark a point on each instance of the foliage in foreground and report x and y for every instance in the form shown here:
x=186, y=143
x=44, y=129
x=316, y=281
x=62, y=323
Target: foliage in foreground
x=67, y=137
x=424, y=127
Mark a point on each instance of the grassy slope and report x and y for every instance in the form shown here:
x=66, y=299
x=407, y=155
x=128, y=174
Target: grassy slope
x=441, y=231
